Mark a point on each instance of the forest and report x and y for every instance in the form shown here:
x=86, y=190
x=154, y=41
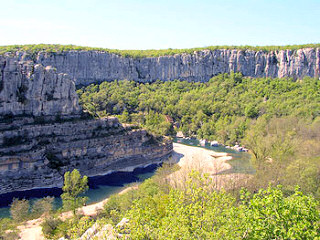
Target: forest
x=222, y=109
x=197, y=210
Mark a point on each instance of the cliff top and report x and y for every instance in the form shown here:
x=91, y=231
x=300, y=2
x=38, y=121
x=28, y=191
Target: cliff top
x=33, y=48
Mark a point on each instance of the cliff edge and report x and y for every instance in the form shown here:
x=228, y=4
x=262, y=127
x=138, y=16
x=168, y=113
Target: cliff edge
x=92, y=66
x=44, y=133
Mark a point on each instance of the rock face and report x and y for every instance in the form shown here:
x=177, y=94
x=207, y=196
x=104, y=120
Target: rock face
x=28, y=89
x=43, y=132
x=93, y=66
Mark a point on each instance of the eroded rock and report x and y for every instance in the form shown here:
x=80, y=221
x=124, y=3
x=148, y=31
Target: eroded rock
x=94, y=66
x=43, y=132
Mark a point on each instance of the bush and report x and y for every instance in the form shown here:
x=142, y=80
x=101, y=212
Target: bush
x=43, y=206
x=50, y=227
x=77, y=227
x=8, y=229
x=19, y=210
x=197, y=211
x=10, y=235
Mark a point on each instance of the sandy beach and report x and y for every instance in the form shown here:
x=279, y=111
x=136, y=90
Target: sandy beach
x=187, y=157
x=203, y=160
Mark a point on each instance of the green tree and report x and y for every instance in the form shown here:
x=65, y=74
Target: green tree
x=74, y=185
x=251, y=111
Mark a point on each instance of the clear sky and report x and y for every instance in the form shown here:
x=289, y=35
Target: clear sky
x=150, y=24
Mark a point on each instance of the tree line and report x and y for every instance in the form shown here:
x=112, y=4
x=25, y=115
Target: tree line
x=52, y=48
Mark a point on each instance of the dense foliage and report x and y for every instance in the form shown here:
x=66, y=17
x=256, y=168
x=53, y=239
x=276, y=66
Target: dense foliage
x=8, y=229
x=21, y=211
x=198, y=211
x=54, y=228
x=221, y=109
x=32, y=48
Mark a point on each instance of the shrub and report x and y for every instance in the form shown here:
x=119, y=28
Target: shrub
x=50, y=227
x=19, y=209
x=42, y=206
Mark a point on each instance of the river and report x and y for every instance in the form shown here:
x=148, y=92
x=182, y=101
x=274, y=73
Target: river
x=102, y=187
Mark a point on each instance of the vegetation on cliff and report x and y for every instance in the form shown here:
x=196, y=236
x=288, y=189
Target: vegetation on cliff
x=33, y=48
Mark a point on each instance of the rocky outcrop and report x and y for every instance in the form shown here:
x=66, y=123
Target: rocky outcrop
x=32, y=89
x=43, y=132
x=37, y=155
x=95, y=66
x=107, y=231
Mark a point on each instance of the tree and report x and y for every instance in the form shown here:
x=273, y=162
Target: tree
x=19, y=209
x=74, y=185
x=251, y=111
x=43, y=206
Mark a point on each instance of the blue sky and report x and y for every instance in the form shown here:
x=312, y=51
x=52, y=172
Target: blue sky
x=149, y=24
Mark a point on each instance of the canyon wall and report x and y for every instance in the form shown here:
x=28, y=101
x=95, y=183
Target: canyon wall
x=32, y=89
x=44, y=133
x=87, y=67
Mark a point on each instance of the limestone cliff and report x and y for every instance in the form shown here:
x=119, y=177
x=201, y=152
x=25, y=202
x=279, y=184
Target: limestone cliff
x=96, y=66
x=43, y=132
x=29, y=89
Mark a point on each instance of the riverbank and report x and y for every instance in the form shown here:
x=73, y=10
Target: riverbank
x=201, y=159
x=187, y=158
x=215, y=164
x=32, y=229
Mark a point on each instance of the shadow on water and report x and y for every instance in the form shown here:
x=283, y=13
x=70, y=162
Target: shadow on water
x=240, y=162
x=100, y=187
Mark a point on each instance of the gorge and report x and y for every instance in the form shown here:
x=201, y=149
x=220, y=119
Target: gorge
x=44, y=132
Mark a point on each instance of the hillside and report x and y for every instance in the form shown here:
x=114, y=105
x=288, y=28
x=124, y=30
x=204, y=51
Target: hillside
x=44, y=132
x=221, y=109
